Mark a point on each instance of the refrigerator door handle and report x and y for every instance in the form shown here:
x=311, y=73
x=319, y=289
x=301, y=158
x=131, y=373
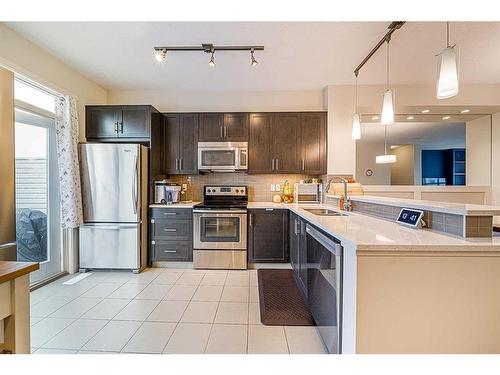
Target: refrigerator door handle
x=134, y=185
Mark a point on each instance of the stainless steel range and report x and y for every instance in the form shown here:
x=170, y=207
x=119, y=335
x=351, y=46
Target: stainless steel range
x=220, y=228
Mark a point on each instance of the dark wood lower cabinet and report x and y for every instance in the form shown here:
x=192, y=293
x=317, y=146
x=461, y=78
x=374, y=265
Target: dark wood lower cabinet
x=268, y=235
x=171, y=233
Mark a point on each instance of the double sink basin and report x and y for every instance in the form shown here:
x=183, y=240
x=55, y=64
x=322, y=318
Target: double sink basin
x=324, y=212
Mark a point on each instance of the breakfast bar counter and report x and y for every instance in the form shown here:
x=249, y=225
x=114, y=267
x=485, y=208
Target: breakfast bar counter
x=14, y=306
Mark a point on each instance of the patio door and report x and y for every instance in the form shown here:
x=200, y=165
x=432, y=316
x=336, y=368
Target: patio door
x=38, y=222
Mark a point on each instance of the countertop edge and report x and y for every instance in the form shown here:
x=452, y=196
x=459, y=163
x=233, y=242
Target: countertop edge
x=16, y=269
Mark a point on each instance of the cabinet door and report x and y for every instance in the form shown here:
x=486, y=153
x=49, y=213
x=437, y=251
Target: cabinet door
x=102, y=122
x=313, y=143
x=135, y=122
x=236, y=127
x=188, y=156
x=268, y=236
x=171, y=136
x=285, y=138
x=293, y=243
x=259, y=143
x=211, y=127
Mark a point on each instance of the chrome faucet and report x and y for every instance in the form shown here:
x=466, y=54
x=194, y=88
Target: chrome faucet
x=345, y=182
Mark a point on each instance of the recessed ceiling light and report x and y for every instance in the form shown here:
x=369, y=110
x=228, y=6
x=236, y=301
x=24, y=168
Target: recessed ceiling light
x=446, y=117
x=465, y=111
x=410, y=117
x=426, y=111
x=375, y=118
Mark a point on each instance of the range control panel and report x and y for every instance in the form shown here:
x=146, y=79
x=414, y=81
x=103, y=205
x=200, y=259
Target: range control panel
x=226, y=190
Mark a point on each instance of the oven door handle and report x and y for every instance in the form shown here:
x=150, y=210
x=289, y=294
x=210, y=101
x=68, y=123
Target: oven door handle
x=216, y=213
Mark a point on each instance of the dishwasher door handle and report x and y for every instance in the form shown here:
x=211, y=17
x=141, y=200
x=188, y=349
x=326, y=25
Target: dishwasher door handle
x=330, y=245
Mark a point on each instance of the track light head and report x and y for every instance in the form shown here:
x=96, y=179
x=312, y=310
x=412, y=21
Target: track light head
x=212, y=60
x=253, y=61
x=160, y=54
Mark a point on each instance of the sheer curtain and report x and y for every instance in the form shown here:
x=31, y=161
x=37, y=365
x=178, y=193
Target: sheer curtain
x=67, y=136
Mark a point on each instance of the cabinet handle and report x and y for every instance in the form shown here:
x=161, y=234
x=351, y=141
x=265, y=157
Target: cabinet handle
x=296, y=230
x=272, y=164
x=121, y=127
x=225, y=131
x=170, y=230
x=269, y=209
x=176, y=164
x=277, y=164
x=303, y=167
x=251, y=219
x=221, y=132
x=180, y=164
x=116, y=127
x=170, y=213
x=169, y=251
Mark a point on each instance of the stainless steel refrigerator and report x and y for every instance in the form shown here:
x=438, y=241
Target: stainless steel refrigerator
x=7, y=187
x=114, y=181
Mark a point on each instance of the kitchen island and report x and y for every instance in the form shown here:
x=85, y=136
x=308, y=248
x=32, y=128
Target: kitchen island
x=412, y=290
x=15, y=307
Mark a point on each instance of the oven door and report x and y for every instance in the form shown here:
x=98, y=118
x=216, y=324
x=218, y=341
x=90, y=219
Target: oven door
x=222, y=156
x=221, y=230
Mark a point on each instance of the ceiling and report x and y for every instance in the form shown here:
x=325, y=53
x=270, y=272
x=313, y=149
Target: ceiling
x=428, y=134
x=297, y=56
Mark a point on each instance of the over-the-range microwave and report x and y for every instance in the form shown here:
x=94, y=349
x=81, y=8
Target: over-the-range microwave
x=222, y=156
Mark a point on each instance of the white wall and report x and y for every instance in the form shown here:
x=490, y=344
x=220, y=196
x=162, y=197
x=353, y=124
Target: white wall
x=365, y=159
x=403, y=170
x=495, y=176
x=214, y=101
x=24, y=57
x=478, y=152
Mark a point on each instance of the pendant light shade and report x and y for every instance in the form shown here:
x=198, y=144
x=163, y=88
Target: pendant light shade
x=387, y=117
x=447, y=85
x=385, y=159
x=356, y=127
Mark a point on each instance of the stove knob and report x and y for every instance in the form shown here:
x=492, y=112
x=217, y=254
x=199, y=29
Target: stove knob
x=236, y=191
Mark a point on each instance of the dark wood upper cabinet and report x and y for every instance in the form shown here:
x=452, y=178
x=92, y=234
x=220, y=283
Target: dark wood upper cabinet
x=223, y=127
x=180, y=143
x=102, y=121
x=260, y=143
x=188, y=143
x=170, y=151
x=313, y=143
x=286, y=142
x=119, y=123
x=211, y=127
x=268, y=235
x=236, y=127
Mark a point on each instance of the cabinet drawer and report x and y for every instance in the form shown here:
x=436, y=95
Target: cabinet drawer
x=165, y=229
x=172, y=250
x=171, y=213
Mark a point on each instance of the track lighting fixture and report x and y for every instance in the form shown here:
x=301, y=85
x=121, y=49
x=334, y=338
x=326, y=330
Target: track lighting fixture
x=387, y=116
x=447, y=84
x=253, y=61
x=160, y=55
x=356, y=121
x=212, y=60
x=161, y=52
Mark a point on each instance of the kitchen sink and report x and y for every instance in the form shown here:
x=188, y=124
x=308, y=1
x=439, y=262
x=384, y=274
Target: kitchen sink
x=324, y=212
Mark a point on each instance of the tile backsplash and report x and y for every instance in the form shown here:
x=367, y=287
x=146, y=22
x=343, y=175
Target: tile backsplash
x=259, y=186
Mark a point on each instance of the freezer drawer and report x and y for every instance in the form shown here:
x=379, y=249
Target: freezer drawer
x=113, y=246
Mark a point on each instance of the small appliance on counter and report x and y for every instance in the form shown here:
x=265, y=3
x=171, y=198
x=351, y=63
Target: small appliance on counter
x=167, y=192
x=308, y=193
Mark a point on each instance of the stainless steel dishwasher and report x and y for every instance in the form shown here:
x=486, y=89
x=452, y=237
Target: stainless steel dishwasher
x=324, y=286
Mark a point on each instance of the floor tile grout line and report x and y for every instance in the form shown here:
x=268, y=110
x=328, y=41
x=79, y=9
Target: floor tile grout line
x=215, y=316
x=286, y=339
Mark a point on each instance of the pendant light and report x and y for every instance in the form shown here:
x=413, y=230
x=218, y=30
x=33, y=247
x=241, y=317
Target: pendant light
x=387, y=116
x=447, y=84
x=211, y=63
x=253, y=62
x=386, y=158
x=356, y=121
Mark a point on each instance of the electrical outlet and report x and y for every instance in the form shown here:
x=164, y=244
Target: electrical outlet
x=278, y=187
x=184, y=186
x=273, y=187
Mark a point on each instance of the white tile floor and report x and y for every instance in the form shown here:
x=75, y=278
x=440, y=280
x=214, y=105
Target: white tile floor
x=160, y=311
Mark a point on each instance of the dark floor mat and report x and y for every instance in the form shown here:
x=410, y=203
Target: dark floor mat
x=281, y=303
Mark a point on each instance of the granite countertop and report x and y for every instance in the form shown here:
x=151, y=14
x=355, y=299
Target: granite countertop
x=175, y=205
x=463, y=209
x=367, y=233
